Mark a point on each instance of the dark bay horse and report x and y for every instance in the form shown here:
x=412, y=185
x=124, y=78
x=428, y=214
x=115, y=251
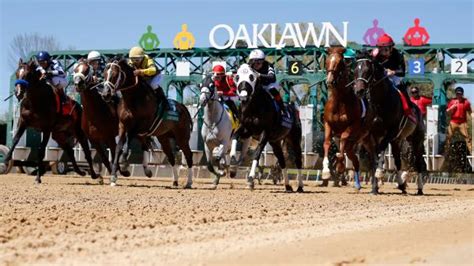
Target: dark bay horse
x=395, y=127
x=38, y=111
x=261, y=119
x=99, y=118
x=141, y=116
x=344, y=117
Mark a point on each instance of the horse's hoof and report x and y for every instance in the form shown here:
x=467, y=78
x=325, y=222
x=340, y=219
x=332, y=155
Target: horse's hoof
x=250, y=186
x=125, y=173
x=188, y=186
x=232, y=174
x=358, y=187
x=402, y=188
x=213, y=187
x=81, y=173
x=420, y=192
x=37, y=181
x=336, y=184
x=300, y=190
x=325, y=183
x=148, y=173
x=344, y=182
x=113, y=184
x=374, y=191
x=288, y=188
x=175, y=184
x=100, y=180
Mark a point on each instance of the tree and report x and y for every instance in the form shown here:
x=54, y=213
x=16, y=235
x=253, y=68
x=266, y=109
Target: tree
x=23, y=44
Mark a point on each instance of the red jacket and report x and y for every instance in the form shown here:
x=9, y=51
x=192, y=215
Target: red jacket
x=458, y=115
x=422, y=102
x=227, y=86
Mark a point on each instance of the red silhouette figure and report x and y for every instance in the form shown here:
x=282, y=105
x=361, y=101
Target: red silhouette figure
x=416, y=36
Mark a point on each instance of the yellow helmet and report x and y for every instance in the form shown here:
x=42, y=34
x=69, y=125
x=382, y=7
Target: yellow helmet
x=136, y=52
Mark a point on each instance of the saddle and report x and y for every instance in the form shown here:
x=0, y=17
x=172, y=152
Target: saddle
x=170, y=113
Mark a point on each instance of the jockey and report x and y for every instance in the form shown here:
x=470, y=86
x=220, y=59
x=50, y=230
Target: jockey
x=267, y=76
x=225, y=87
x=94, y=59
x=145, y=67
x=53, y=72
x=394, y=64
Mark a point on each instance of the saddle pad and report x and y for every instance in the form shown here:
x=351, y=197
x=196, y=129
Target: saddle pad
x=172, y=113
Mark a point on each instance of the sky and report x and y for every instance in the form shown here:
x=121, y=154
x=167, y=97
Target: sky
x=107, y=24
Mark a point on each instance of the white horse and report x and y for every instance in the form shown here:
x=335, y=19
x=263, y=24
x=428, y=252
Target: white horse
x=216, y=130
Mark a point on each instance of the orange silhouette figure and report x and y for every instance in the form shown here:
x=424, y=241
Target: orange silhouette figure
x=416, y=36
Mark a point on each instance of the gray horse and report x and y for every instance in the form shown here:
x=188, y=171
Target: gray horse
x=216, y=131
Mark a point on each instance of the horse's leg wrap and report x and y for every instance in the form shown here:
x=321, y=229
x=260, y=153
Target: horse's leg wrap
x=326, y=172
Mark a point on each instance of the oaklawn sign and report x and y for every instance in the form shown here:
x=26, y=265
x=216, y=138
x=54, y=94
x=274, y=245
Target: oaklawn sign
x=298, y=34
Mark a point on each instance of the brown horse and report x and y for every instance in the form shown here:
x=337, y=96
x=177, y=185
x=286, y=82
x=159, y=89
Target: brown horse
x=344, y=116
x=38, y=111
x=140, y=115
x=99, y=118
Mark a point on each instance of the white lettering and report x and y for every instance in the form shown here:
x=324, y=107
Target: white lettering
x=212, y=39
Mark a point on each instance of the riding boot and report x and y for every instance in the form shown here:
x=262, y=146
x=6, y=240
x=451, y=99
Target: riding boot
x=284, y=111
x=402, y=87
x=232, y=108
x=276, y=95
x=62, y=98
x=161, y=98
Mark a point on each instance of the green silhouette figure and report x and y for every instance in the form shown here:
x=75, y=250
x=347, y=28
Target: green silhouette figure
x=184, y=40
x=149, y=40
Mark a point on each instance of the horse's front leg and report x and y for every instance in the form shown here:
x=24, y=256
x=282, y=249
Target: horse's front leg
x=41, y=152
x=258, y=153
x=233, y=153
x=87, y=153
x=16, y=139
x=326, y=174
x=350, y=151
x=118, y=152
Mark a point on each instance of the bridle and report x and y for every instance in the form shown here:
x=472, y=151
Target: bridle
x=120, y=79
x=209, y=98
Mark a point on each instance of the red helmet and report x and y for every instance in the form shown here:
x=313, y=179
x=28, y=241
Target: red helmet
x=218, y=69
x=385, y=40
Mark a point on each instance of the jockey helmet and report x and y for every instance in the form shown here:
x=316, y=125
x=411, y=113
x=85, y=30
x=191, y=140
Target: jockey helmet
x=93, y=55
x=43, y=56
x=385, y=40
x=136, y=52
x=257, y=54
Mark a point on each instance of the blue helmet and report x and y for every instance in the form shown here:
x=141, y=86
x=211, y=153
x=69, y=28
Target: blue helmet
x=43, y=56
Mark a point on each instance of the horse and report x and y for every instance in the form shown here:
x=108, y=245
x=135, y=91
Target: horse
x=38, y=110
x=99, y=118
x=344, y=117
x=141, y=116
x=260, y=118
x=395, y=128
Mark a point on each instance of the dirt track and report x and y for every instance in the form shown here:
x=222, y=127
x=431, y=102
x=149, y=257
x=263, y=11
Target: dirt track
x=70, y=220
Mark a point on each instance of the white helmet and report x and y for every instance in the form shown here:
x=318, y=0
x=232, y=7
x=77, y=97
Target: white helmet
x=257, y=54
x=93, y=55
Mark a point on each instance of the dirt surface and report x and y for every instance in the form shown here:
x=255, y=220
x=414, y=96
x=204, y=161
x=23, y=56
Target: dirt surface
x=72, y=221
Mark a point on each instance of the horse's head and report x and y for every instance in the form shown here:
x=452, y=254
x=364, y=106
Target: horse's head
x=334, y=64
x=246, y=80
x=82, y=75
x=25, y=74
x=117, y=75
x=363, y=74
x=208, y=92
